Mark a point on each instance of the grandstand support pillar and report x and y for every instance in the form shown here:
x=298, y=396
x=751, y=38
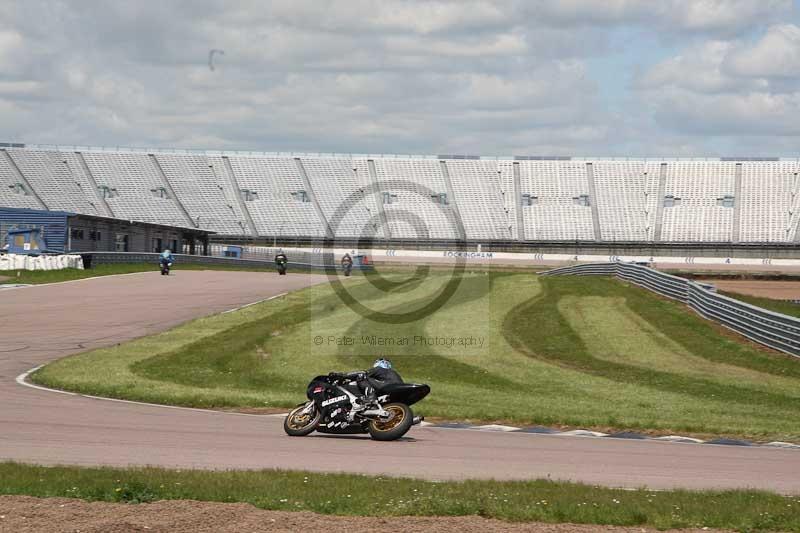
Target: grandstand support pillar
x=598, y=236
x=20, y=177
x=171, y=191
x=100, y=197
x=737, y=203
x=313, y=197
x=662, y=190
x=451, y=200
x=518, y=202
x=235, y=187
x=794, y=229
x=373, y=179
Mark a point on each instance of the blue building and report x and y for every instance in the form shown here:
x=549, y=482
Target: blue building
x=31, y=231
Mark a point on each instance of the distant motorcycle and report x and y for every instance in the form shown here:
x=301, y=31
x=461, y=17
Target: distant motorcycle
x=165, y=266
x=281, y=262
x=329, y=409
x=347, y=264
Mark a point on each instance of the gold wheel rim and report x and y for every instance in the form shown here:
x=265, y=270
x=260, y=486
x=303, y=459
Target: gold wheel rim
x=299, y=421
x=399, y=415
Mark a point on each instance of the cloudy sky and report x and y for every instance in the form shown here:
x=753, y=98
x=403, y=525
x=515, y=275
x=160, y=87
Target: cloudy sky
x=561, y=77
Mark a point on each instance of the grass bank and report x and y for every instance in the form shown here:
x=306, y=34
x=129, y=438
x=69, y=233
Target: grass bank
x=35, y=277
x=343, y=494
x=567, y=351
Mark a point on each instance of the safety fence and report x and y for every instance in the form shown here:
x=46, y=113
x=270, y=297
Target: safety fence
x=309, y=260
x=775, y=330
x=296, y=260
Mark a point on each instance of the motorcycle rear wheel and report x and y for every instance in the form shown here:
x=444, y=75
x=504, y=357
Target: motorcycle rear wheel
x=297, y=424
x=394, y=428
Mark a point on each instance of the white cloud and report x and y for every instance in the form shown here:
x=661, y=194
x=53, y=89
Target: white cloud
x=776, y=54
x=20, y=88
x=10, y=45
x=478, y=76
x=729, y=88
x=698, y=68
x=724, y=16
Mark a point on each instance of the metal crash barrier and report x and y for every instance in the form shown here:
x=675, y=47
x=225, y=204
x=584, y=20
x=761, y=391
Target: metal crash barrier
x=308, y=260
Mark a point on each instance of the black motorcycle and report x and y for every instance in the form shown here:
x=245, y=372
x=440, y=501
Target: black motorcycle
x=330, y=409
x=281, y=265
x=165, y=266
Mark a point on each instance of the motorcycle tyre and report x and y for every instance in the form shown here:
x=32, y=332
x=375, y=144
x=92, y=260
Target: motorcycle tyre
x=307, y=429
x=397, y=431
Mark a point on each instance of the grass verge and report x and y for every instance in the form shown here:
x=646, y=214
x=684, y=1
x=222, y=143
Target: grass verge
x=36, y=277
x=345, y=494
x=569, y=352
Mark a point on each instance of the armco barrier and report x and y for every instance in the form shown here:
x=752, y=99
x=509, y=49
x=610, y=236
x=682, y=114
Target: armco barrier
x=306, y=260
x=775, y=330
x=105, y=258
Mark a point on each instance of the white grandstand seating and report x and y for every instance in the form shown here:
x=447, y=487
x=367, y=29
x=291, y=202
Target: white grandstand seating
x=626, y=199
x=208, y=186
x=54, y=181
x=413, y=213
x=555, y=215
x=134, y=177
x=344, y=196
x=476, y=186
x=276, y=211
x=207, y=196
x=768, y=210
x=698, y=217
x=9, y=183
x=75, y=164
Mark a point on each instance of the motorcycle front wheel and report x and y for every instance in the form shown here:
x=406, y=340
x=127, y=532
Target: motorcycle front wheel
x=398, y=425
x=299, y=424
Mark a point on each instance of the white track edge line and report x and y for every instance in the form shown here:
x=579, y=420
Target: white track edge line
x=29, y=285
x=254, y=303
x=22, y=379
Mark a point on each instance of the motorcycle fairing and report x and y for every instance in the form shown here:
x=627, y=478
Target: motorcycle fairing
x=407, y=393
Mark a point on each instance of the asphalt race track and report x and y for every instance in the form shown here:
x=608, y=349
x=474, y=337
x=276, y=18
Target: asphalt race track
x=43, y=323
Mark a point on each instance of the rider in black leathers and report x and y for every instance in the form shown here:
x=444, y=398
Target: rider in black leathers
x=347, y=264
x=380, y=375
x=281, y=261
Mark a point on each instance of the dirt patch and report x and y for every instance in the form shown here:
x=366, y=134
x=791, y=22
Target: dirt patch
x=25, y=514
x=777, y=290
x=4, y=278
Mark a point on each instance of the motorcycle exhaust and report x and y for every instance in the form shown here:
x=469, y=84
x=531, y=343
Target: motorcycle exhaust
x=417, y=420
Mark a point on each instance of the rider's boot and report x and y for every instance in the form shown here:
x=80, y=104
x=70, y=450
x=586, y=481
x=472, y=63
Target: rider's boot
x=368, y=399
